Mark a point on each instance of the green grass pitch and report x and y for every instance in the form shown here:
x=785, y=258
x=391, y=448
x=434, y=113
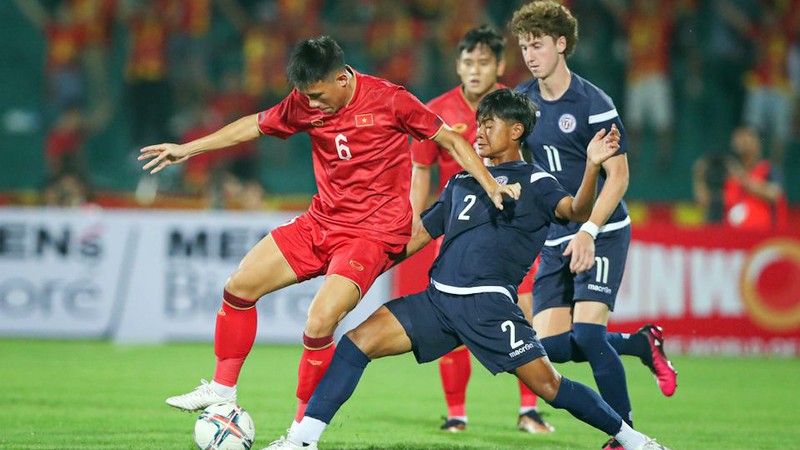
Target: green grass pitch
x=97, y=395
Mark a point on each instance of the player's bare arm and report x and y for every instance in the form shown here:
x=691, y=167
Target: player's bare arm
x=602, y=147
x=615, y=186
x=466, y=157
x=581, y=247
x=419, y=239
x=163, y=155
x=578, y=209
x=420, y=188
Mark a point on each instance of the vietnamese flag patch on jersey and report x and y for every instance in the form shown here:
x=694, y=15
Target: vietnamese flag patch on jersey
x=364, y=120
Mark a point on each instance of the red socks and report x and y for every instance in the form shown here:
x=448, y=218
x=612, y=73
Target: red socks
x=237, y=321
x=455, y=369
x=527, y=399
x=316, y=358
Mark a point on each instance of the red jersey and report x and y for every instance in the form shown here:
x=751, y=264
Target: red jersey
x=748, y=211
x=456, y=112
x=361, y=160
x=95, y=19
x=649, y=36
x=61, y=143
x=773, y=46
x=64, y=45
x=147, y=60
x=264, y=55
x=192, y=17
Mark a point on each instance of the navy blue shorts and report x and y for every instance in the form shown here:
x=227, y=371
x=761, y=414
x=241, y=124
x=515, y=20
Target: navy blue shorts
x=491, y=326
x=556, y=286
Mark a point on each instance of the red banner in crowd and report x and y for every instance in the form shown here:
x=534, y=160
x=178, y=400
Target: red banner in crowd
x=714, y=290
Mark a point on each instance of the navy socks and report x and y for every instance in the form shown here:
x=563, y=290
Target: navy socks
x=588, y=342
x=339, y=381
x=609, y=374
x=630, y=344
x=587, y=406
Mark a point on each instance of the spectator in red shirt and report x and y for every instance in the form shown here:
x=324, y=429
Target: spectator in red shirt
x=94, y=19
x=65, y=139
x=752, y=194
x=66, y=84
x=64, y=142
x=648, y=101
x=769, y=98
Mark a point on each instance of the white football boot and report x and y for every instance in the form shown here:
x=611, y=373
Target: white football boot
x=651, y=444
x=285, y=444
x=199, y=399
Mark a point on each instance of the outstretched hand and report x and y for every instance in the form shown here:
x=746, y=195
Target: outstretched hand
x=163, y=155
x=508, y=190
x=603, y=146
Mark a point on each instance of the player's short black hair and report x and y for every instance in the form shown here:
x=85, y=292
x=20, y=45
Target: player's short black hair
x=314, y=60
x=483, y=35
x=509, y=106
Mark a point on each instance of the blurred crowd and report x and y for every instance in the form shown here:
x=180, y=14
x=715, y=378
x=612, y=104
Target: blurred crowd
x=683, y=73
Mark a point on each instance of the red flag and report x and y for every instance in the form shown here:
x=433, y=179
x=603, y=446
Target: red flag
x=364, y=120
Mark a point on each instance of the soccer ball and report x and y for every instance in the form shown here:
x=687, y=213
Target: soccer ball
x=224, y=426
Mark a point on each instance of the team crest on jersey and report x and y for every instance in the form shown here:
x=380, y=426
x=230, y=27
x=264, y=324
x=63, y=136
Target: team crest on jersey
x=502, y=180
x=317, y=123
x=460, y=128
x=567, y=123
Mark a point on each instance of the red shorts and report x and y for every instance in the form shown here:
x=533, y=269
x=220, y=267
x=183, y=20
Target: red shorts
x=311, y=249
x=526, y=287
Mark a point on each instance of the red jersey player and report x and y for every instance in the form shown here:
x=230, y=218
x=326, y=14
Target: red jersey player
x=357, y=223
x=480, y=62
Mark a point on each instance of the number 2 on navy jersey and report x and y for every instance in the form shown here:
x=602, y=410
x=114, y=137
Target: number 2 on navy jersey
x=512, y=335
x=470, y=201
x=553, y=158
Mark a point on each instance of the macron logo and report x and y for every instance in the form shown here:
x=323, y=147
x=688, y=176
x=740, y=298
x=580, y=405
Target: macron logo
x=596, y=288
x=521, y=350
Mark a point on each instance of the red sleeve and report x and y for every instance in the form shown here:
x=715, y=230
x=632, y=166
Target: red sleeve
x=424, y=152
x=414, y=117
x=283, y=119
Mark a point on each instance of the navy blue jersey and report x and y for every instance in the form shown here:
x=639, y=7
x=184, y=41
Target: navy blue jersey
x=563, y=130
x=484, y=247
